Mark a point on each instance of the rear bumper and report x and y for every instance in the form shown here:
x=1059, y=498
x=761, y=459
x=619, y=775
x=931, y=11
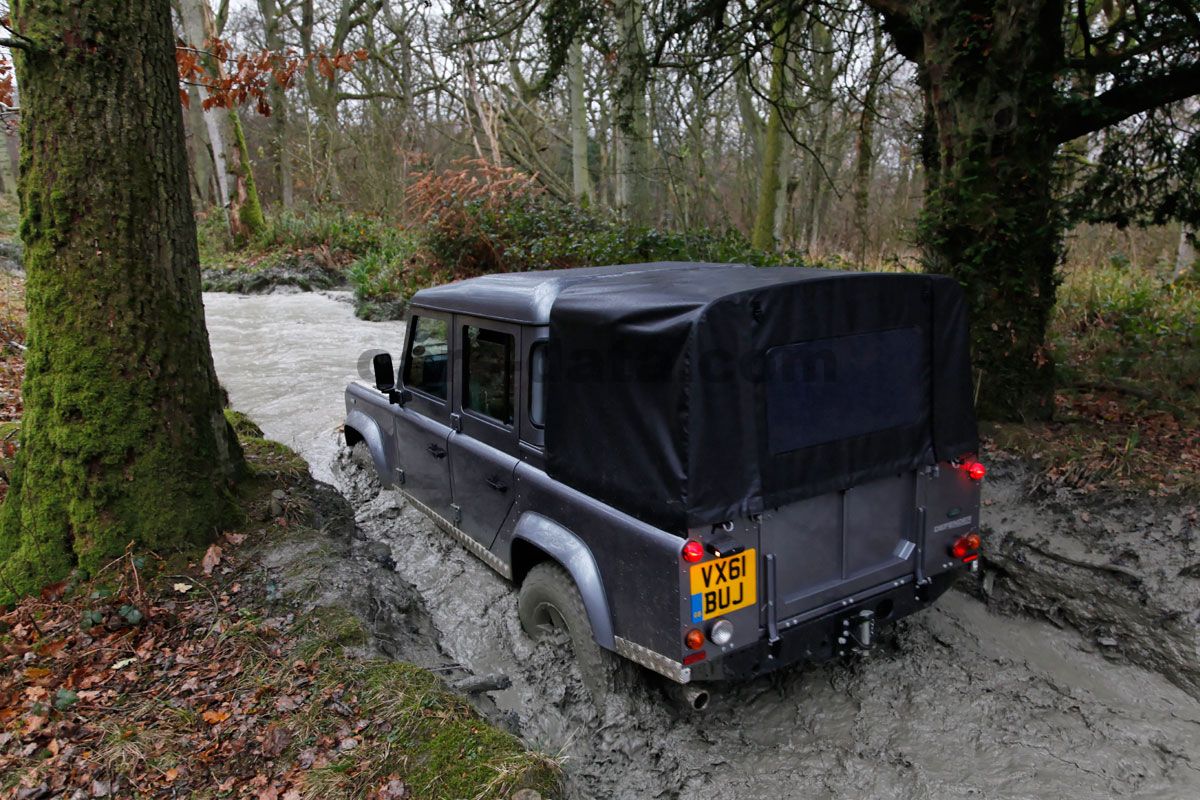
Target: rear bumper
x=816, y=640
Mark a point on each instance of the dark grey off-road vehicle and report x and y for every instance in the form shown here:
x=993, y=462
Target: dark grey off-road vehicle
x=713, y=470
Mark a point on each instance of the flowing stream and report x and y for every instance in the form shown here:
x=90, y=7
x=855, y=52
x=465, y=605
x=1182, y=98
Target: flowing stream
x=963, y=703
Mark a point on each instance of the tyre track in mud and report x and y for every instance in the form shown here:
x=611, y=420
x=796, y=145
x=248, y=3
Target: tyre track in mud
x=962, y=702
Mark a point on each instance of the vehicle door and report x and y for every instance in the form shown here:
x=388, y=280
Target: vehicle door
x=423, y=423
x=483, y=450
x=826, y=548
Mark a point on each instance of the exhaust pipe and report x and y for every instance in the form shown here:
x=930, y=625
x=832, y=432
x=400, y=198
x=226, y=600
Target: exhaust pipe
x=696, y=698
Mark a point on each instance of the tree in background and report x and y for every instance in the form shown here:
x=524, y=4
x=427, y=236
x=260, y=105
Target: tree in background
x=234, y=171
x=770, y=179
x=1003, y=92
x=123, y=438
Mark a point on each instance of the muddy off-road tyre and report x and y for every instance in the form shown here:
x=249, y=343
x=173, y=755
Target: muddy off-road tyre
x=550, y=601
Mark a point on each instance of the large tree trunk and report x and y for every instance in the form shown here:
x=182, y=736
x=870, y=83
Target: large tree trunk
x=123, y=438
x=990, y=219
x=235, y=176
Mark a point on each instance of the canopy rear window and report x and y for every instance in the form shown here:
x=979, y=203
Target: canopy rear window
x=811, y=387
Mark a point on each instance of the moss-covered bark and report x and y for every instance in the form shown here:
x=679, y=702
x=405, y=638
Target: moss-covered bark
x=990, y=217
x=123, y=439
x=246, y=205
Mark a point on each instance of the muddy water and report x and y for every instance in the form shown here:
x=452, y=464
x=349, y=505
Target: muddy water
x=285, y=359
x=963, y=702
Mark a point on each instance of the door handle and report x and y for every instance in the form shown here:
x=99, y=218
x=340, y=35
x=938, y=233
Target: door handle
x=496, y=484
x=436, y=451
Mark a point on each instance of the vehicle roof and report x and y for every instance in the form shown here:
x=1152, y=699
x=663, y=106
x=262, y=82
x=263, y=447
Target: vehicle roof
x=527, y=297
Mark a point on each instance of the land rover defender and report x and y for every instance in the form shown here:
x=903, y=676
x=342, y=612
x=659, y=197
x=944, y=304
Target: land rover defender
x=713, y=470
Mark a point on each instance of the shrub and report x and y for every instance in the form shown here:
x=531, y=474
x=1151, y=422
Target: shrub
x=388, y=271
x=477, y=218
x=334, y=228
x=461, y=213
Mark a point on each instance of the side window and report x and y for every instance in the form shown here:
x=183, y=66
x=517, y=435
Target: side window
x=488, y=358
x=537, y=384
x=428, y=352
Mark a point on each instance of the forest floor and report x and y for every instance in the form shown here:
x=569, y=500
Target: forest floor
x=233, y=673
x=241, y=672
x=1127, y=411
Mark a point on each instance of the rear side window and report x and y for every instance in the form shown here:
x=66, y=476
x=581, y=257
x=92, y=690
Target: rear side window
x=428, y=352
x=537, y=384
x=847, y=386
x=489, y=387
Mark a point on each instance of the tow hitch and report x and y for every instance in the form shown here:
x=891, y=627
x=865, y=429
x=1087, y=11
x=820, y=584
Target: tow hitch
x=858, y=633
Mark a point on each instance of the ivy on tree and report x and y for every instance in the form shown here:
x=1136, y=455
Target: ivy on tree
x=1004, y=89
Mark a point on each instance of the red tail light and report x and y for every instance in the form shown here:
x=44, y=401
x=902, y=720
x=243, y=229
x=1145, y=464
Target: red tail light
x=694, y=639
x=693, y=551
x=966, y=548
x=975, y=470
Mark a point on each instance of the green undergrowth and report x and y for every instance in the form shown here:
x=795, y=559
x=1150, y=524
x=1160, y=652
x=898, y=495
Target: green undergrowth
x=420, y=733
x=405, y=725
x=1126, y=342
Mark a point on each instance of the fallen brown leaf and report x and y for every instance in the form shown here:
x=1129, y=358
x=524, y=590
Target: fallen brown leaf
x=275, y=740
x=212, y=557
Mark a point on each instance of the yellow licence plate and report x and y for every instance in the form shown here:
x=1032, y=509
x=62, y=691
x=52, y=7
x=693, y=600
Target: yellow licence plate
x=723, y=585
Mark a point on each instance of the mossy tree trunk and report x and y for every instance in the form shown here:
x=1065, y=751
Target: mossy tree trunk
x=864, y=150
x=581, y=177
x=990, y=217
x=634, y=199
x=123, y=438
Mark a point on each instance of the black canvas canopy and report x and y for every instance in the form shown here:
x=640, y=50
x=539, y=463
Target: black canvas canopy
x=689, y=394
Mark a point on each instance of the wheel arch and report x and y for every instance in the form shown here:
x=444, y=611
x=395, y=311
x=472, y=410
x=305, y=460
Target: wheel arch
x=361, y=428
x=536, y=539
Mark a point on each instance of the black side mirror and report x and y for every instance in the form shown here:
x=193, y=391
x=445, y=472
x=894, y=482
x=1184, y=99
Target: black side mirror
x=385, y=373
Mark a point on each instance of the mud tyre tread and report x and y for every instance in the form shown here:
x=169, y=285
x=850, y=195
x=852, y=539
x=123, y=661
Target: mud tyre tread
x=549, y=586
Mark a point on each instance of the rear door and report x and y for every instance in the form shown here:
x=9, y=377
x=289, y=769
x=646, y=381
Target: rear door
x=829, y=547
x=423, y=423
x=483, y=451
x=833, y=395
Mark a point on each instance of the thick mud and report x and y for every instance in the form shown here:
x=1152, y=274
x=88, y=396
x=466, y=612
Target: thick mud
x=961, y=702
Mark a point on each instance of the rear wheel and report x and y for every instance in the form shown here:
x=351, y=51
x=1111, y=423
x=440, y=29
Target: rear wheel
x=549, y=601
